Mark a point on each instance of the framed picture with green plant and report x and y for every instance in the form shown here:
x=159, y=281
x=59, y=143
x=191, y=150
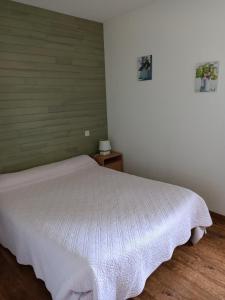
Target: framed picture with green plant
x=206, y=77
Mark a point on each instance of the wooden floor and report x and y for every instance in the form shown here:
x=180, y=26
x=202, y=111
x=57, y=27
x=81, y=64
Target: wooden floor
x=196, y=273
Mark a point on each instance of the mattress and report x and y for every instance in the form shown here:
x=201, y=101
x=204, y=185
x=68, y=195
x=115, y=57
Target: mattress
x=92, y=233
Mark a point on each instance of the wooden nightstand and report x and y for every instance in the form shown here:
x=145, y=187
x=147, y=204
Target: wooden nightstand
x=113, y=161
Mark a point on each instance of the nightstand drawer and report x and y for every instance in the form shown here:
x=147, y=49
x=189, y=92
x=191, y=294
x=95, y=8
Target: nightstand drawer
x=112, y=161
x=115, y=165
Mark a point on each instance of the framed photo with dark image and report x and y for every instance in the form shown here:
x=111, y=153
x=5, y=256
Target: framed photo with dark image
x=144, y=65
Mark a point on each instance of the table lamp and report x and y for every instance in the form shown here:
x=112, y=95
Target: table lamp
x=104, y=147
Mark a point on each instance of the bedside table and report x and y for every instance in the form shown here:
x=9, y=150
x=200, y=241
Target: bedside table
x=113, y=161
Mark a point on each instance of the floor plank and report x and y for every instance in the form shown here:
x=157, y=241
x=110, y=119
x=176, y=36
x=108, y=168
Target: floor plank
x=193, y=273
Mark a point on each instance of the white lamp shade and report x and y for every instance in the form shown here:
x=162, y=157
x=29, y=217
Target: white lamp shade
x=104, y=146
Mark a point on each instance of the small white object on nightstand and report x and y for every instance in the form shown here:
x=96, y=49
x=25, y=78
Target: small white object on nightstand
x=104, y=147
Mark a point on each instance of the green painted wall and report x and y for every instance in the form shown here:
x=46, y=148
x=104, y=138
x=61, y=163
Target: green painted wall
x=52, y=86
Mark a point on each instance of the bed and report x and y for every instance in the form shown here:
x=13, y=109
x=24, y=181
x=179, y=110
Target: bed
x=92, y=233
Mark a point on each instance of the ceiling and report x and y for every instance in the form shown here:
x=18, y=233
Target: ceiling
x=97, y=10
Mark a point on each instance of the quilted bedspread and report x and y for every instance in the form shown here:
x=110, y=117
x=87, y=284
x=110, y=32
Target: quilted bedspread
x=92, y=233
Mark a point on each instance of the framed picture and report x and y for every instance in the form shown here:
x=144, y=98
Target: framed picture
x=144, y=65
x=206, y=77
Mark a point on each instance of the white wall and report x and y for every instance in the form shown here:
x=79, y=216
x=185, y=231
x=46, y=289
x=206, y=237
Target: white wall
x=166, y=130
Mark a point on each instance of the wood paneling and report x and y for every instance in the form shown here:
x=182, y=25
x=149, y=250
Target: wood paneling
x=52, y=86
x=193, y=273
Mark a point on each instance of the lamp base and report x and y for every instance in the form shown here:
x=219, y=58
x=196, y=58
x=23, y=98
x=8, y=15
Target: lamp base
x=105, y=152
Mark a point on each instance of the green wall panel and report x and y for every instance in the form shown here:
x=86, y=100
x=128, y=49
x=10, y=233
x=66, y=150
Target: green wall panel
x=52, y=86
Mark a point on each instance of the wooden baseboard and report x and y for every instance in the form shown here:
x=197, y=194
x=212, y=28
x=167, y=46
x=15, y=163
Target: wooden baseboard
x=217, y=216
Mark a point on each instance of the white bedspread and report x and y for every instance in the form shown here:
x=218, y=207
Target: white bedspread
x=91, y=232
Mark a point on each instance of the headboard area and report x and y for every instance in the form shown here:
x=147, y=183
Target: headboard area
x=52, y=86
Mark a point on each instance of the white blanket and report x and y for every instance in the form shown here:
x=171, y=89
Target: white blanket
x=91, y=232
